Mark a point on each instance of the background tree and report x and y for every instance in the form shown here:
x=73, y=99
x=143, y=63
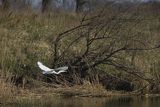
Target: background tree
x=5, y=4
x=79, y=5
x=45, y=5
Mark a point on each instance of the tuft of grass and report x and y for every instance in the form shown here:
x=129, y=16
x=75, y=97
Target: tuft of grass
x=7, y=90
x=86, y=90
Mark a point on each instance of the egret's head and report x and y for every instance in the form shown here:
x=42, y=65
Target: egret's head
x=39, y=63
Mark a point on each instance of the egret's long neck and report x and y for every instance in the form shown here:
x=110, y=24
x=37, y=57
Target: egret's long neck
x=55, y=72
x=61, y=71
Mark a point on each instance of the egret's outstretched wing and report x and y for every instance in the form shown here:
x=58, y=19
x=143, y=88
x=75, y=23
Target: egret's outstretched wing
x=44, y=68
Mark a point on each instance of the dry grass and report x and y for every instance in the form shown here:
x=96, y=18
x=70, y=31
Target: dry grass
x=26, y=38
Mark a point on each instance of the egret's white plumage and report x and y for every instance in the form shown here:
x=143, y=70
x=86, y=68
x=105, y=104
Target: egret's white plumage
x=47, y=70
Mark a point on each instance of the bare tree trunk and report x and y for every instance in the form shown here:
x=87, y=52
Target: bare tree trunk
x=45, y=5
x=5, y=4
x=79, y=4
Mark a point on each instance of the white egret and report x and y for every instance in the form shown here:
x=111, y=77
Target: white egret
x=47, y=70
